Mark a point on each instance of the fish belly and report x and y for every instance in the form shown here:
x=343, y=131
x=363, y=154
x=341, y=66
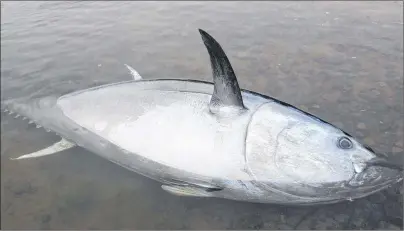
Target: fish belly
x=172, y=128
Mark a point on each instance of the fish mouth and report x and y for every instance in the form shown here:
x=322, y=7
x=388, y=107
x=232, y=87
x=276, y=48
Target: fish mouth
x=383, y=163
x=377, y=175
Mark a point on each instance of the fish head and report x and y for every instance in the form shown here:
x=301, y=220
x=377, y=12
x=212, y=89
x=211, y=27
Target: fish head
x=297, y=154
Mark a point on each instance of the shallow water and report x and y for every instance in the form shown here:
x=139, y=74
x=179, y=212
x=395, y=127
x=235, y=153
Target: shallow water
x=342, y=61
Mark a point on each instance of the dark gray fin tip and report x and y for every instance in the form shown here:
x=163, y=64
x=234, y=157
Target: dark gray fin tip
x=226, y=88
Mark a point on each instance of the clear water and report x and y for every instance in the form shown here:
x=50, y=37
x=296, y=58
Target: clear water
x=342, y=61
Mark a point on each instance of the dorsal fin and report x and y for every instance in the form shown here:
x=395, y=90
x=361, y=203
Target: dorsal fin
x=134, y=73
x=226, y=93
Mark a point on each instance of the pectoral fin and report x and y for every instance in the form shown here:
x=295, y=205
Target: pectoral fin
x=55, y=148
x=186, y=191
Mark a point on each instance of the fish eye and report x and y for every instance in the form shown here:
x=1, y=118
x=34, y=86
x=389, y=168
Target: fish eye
x=345, y=143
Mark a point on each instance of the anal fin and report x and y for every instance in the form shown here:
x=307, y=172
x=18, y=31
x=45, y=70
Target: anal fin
x=186, y=191
x=55, y=148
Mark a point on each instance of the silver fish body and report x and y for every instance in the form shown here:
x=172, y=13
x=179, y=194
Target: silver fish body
x=198, y=139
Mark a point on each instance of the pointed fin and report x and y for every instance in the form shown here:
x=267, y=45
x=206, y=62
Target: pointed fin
x=134, y=73
x=186, y=191
x=209, y=187
x=226, y=93
x=55, y=148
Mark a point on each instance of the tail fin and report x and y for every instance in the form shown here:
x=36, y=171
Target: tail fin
x=36, y=112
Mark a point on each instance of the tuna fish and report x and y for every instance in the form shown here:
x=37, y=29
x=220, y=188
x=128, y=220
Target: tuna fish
x=205, y=139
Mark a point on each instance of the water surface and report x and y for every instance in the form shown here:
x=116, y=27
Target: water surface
x=342, y=61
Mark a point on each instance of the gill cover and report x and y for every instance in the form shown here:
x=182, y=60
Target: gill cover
x=284, y=145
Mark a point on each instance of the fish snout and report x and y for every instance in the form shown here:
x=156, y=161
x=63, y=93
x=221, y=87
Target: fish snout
x=377, y=173
x=383, y=162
